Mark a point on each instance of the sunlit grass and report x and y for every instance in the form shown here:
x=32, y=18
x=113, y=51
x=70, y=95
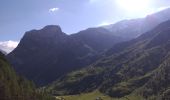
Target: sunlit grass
x=96, y=94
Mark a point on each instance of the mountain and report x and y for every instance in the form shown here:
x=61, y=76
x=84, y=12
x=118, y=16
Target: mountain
x=137, y=67
x=13, y=87
x=3, y=52
x=47, y=54
x=51, y=50
x=98, y=39
x=135, y=27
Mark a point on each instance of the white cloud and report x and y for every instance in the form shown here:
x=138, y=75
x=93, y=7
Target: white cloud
x=8, y=46
x=53, y=9
x=101, y=2
x=92, y=1
x=104, y=24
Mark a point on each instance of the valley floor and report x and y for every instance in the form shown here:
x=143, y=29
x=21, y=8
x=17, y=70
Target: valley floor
x=96, y=96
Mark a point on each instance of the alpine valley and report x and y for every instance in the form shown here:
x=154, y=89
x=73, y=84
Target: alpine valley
x=128, y=60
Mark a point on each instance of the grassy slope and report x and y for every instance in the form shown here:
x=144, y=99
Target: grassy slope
x=96, y=94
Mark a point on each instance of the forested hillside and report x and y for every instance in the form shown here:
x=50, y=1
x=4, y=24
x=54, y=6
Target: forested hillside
x=13, y=87
x=140, y=67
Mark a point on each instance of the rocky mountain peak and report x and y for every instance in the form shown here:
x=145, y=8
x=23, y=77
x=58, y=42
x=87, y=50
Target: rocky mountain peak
x=48, y=31
x=52, y=29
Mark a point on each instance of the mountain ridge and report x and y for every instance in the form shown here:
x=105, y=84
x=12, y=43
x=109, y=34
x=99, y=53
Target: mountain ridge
x=132, y=70
x=135, y=27
x=51, y=50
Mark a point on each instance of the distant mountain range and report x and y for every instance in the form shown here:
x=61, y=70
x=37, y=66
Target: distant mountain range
x=100, y=58
x=140, y=67
x=135, y=27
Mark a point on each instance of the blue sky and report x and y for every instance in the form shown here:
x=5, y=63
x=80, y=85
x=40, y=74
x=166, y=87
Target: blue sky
x=18, y=16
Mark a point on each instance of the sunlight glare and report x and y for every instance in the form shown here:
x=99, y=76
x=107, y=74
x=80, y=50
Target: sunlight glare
x=134, y=5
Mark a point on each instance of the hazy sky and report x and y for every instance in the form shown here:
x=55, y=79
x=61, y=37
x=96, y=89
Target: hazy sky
x=18, y=16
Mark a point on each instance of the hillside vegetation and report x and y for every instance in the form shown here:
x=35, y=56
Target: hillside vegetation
x=97, y=95
x=13, y=87
x=140, y=67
